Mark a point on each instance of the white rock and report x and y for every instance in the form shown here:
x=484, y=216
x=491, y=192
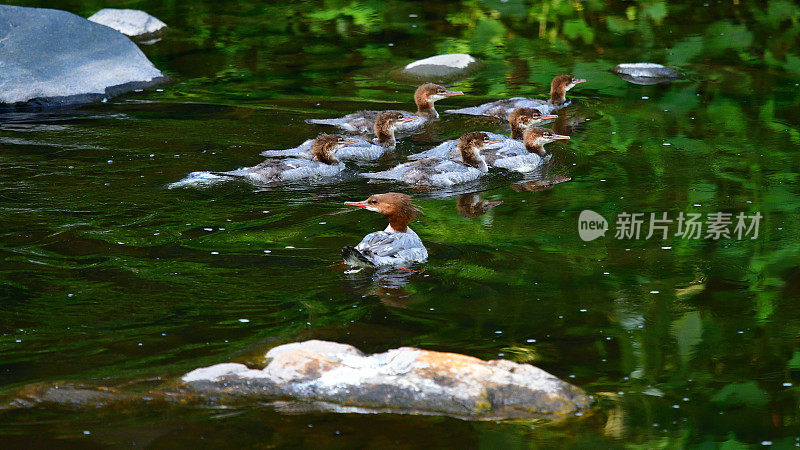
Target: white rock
x=453, y=60
x=441, y=68
x=130, y=22
x=213, y=373
x=403, y=380
x=645, y=73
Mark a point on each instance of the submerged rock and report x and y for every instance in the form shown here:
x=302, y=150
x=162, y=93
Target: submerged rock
x=130, y=22
x=441, y=68
x=645, y=73
x=338, y=377
x=63, y=394
x=55, y=57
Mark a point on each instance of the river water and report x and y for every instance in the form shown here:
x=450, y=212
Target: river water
x=108, y=277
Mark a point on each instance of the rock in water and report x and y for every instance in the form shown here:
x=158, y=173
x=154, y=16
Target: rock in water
x=130, y=22
x=645, y=73
x=440, y=68
x=338, y=377
x=55, y=57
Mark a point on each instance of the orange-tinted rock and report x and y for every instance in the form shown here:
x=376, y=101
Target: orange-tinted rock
x=407, y=380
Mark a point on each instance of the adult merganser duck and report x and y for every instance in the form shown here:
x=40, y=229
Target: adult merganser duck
x=362, y=122
x=360, y=149
x=440, y=172
x=397, y=245
x=520, y=120
x=502, y=108
x=323, y=165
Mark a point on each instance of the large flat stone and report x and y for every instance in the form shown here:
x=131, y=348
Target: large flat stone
x=338, y=377
x=50, y=57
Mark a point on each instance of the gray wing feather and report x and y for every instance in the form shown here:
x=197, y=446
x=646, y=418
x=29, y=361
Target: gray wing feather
x=428, y=172
x=502, y=108
x=363, y=122
x=301, y=151
x=393, y=249
x=446, y=149
x=521, y=163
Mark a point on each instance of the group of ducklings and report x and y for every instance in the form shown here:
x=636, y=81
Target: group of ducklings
x=449, y=163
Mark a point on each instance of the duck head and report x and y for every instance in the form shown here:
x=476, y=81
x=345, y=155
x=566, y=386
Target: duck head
x=396, y=207
x=385, y=125
x=427, y=94
x=325, y=146
x=560, y=85
x=521, y=119
x=536, y=137
x=470, y=145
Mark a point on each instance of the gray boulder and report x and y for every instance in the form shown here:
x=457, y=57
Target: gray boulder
x=441, y=68
x=50, y=57
x=338, y=377
x=130, y=22
x=645, y=73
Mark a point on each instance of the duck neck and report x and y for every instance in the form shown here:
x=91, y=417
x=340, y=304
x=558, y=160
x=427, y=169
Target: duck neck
x=558, y=95
x=385, y=136
x=425, y=109
x=517, y=132
x=535, y=148
x=475, y=160
x=398, y=223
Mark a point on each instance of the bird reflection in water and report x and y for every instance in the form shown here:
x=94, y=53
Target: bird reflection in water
x=539, y=184
x=386, y=283
x=471, y=205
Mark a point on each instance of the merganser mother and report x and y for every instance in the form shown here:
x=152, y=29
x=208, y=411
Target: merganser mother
x=397, y=245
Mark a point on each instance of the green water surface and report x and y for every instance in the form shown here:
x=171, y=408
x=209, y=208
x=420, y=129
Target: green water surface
x=108, y=277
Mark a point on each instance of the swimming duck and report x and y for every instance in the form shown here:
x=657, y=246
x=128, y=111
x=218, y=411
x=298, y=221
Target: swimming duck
x=502, y=108
x=442, y=172
x=362, y=122
x=359, y=148
x=517, y=156
x=397, y=245
x=324, y=163
x=520, y=120
x=528, y=155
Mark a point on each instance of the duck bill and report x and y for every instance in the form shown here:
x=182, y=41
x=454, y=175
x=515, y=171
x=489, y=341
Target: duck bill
x=493, y=141
x=350, y=142
x=407, y=119
x=548, y=117
x=357, y=204
x=559, y=137
x=579, y=81
x=452, y=93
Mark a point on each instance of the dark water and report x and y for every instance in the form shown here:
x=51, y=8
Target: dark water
x=108, y=277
